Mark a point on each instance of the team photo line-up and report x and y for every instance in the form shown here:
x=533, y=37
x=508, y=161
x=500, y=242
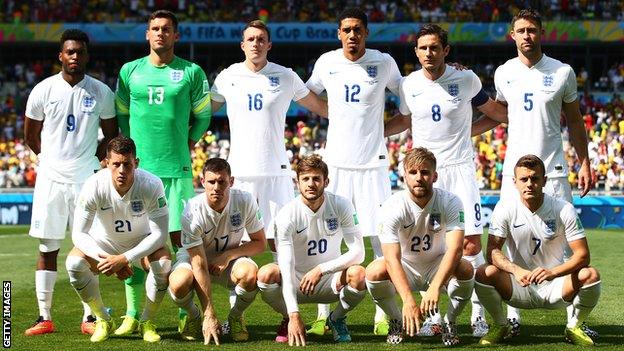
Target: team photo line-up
x=124, y=196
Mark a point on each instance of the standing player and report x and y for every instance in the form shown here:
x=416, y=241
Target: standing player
x=258, y=94
x=309, y=231
x=536, y=88
x=439, y=99
x=537, y=229
x=213, y=225
x=156, y=97
x=422, y=233
x=63, y=114
x=356, y=79
x=130, y=210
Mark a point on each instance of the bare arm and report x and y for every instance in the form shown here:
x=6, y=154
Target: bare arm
x=203, y=288
x=578, y=260
x=110, y=129
x=495, y=114
x=578, y=138
x=32, y=134
x=255, y=246
x=496, y=257
x=397, y=124
x=315, y=104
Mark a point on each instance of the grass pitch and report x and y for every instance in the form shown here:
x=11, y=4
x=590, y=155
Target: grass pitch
x=540, y=330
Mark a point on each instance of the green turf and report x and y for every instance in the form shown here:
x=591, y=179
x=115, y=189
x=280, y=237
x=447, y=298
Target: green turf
x=541, y=329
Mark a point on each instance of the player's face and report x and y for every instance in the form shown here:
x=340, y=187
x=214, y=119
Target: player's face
x=74, y=57
x=353, y=34
x=122, y=169
x=161, y=35
x=529, y=183
x=527, y=36
x=217, y=186
x=255, y=45
x=430, y=51
x=312, y=184
x=420, y=179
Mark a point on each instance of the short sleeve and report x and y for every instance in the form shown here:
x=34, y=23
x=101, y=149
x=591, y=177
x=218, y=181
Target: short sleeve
x=35, y=103
x=474, y=83
x=87, y=204
x=572, y=223
x=498, y=82
x=454, y=213
x=403, y=108
x=394, y=75
x=499, y=221
x=315, y=83
x=253, y=221
x=108, y=111
x=570, y=89
x=390, y=221
x=192, y=232
x=283, y=227
x=216, y=86
x=299, y=88
x=157, y=201
x=348, y=217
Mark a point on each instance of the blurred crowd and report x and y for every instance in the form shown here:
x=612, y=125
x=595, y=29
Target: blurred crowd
x=603, y=121
x=304, y=11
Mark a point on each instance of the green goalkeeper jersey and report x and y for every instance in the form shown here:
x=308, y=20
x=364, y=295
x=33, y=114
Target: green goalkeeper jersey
x=154, y=106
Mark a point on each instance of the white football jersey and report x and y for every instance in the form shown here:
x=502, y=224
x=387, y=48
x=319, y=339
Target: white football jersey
x=441, y=113
x=71, y=119
x=536, y=239
x=356, y=97
x=420, y=231
x=218, y=232
x=257, y=103
x=534, y=99
x=316, y=237
x=121, y=222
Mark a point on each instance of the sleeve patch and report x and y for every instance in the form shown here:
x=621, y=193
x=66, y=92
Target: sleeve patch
x=259, y=215
x=206, y=88
x=461, y=216
x=579, y=224
x=355, y=219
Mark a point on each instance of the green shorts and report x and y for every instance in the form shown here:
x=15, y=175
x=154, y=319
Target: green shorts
x=178, y=191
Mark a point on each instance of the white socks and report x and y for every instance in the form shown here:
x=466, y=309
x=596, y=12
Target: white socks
x=86, y=285
x=44, y=287
x=477, y=308
x=492, y=301
x=349, y=298
x=156, y=286
x=584, y=302
x=272, y=295
x=244, y=298
x=186, y=303
x=384, y=296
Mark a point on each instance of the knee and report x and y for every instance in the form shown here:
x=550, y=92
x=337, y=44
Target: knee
x=180, y=282
x=269, y=274
x=464, y=270
x=245, y=275
x=377, y=270
x=356, y=276
x=588, y=275
x=485, y=274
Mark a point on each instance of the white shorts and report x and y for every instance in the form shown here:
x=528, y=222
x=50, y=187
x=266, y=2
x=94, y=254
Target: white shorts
x=557, y=187
x=367, y=189
x=460, y=180
x=419, y=279
x=272, y=193
x=183, y=261
x=326, y=291
x=53, y=207
x=546, y=295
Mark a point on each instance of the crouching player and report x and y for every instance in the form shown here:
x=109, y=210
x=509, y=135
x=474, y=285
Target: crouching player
x=537, y=229
x=213, y=224
x=309, y=231
x=421, y=238
x=131, y=215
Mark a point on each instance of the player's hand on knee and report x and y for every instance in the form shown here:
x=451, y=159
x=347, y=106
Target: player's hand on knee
x=210, y=329
x=111, y=264
x=124, y=273
x=540, y=275
x=296, y=330
x=522, y=276
x=309, y=281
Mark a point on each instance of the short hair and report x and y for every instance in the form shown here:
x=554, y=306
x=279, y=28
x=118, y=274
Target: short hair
x=312, y=162
x=531, y=162
x=164, y=14
x=259, y=25
x=433, y=29
x=353, y=12
x=528, y=15
x=121, y=145
x=419, y=156
x=216, y=165
x=73, y=34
